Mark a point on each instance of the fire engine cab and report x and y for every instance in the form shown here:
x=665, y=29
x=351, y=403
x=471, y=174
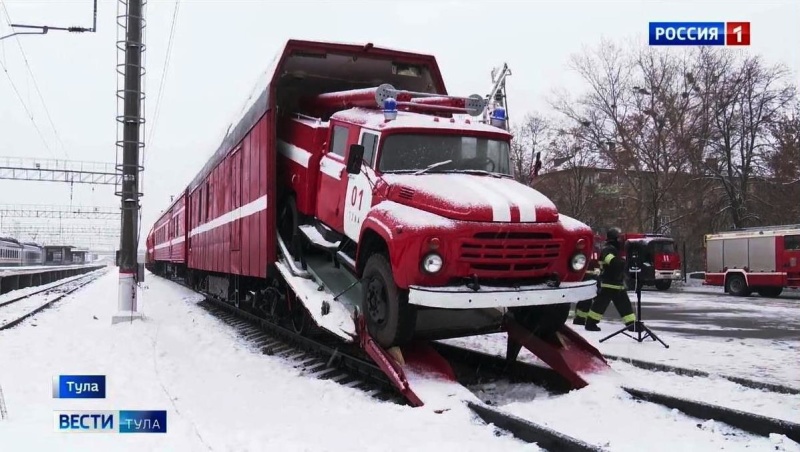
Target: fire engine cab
x=764, y=260
x=423, y=207
x=660, y=259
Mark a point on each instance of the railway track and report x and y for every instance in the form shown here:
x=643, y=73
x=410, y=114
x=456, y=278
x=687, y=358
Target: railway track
x=321, y=356
x=16, y=310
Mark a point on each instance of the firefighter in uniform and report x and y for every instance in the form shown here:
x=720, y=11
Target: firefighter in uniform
x=612, y=285
x=582, y=307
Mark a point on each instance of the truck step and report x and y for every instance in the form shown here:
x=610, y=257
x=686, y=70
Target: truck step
x=317, y=239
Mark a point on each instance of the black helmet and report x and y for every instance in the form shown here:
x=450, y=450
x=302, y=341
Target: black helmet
x=612, y=235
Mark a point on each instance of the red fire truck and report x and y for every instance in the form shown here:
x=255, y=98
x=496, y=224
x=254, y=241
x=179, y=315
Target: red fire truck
x=764, y=260
x=661, y=263
x=348, y=189
x=660, y=259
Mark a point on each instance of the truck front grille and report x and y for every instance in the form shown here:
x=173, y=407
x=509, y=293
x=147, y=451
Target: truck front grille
x=509, y=255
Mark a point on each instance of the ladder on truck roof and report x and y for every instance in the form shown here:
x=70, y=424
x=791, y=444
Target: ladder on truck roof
x=497, y=96
x=386, y=96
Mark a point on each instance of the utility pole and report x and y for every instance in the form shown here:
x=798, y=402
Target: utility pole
x=131, y=119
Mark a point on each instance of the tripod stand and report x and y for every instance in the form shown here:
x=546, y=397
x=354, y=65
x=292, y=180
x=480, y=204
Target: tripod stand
x=641, y=330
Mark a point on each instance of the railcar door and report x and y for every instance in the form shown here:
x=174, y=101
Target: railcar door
x=236, y=202
x=333, y=179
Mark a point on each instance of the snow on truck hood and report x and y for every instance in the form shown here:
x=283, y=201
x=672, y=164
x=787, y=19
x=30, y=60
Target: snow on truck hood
x=470, y=197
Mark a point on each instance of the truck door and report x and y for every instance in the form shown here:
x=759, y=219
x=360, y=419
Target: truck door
x=333, y=179
x=358, y=197
x=791, y=258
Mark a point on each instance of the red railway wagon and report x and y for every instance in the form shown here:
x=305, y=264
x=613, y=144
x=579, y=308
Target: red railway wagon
x=526, y=259
x=166, y=242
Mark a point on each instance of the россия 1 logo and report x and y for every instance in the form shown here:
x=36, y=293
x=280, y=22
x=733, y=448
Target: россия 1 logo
x=699, y=33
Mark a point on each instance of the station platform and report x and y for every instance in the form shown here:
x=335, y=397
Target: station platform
x=13, y=278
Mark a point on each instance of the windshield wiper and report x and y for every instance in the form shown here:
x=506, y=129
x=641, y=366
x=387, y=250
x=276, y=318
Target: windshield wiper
x=479, y=172
x=435, y=165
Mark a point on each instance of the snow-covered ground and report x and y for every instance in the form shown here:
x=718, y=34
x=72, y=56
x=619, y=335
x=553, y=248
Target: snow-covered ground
x=222, y=394
x=702, y=333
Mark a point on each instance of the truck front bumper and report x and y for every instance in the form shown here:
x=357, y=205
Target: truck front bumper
x=461, y=297
x=668, y=274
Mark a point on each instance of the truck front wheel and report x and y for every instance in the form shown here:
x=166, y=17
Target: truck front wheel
x=390, y=319
x=663, y=284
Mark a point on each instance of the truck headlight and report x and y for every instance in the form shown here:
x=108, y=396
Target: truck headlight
x=578, y=262
x=432, y=263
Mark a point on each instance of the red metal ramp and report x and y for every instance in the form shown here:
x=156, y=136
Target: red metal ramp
x=568, y=353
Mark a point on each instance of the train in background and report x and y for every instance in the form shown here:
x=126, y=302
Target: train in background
x=14, y=253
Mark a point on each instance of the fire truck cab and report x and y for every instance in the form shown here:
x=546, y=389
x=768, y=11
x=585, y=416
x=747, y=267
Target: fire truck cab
x=661, y=262
x=764, y=260
x=423, y=208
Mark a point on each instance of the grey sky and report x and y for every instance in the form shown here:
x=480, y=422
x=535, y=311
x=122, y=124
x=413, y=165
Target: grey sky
x=221, y=47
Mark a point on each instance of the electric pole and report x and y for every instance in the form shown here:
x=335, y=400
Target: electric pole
x=131, y=119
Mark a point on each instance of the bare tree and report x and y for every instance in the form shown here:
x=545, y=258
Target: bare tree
x=530, y=137
x=743, y=99
x=635, y=111
x=779, y=196
x=572, y=171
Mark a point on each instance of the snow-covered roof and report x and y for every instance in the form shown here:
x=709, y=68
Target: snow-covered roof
x=375, y=120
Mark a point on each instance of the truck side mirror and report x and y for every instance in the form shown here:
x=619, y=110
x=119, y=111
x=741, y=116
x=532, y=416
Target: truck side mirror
x=355, y=159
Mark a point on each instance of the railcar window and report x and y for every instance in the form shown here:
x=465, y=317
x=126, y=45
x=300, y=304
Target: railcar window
x=791, y=243
x=339, y=140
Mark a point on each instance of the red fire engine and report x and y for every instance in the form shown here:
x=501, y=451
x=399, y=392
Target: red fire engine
x=764, y=260
x=660, y=259
x=332, y=197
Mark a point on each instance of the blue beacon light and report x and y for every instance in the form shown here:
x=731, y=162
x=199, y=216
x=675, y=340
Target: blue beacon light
x=498, y=118
x=390, y=109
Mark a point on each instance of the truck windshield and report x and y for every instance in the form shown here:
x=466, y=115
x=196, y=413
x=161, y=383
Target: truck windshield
x=413, y=152
x=663, y=247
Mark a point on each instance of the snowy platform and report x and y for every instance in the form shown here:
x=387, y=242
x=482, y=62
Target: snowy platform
x=219, y=392
x=15, y=278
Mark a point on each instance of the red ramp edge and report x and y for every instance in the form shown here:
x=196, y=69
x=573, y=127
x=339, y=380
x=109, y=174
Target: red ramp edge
x=569, y=357
x=390, y=367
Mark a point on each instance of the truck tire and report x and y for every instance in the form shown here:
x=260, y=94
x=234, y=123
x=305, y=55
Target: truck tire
x=770, y=292
x=390, y=319
x=663, y=284
x=738, y=286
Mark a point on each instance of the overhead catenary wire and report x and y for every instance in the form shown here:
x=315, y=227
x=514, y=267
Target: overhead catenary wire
x=35, y=85
x=164, y=72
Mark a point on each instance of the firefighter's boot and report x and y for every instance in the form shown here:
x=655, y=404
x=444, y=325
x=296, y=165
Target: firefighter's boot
x=579, y=320
x=632, y=326
x=591, y=325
